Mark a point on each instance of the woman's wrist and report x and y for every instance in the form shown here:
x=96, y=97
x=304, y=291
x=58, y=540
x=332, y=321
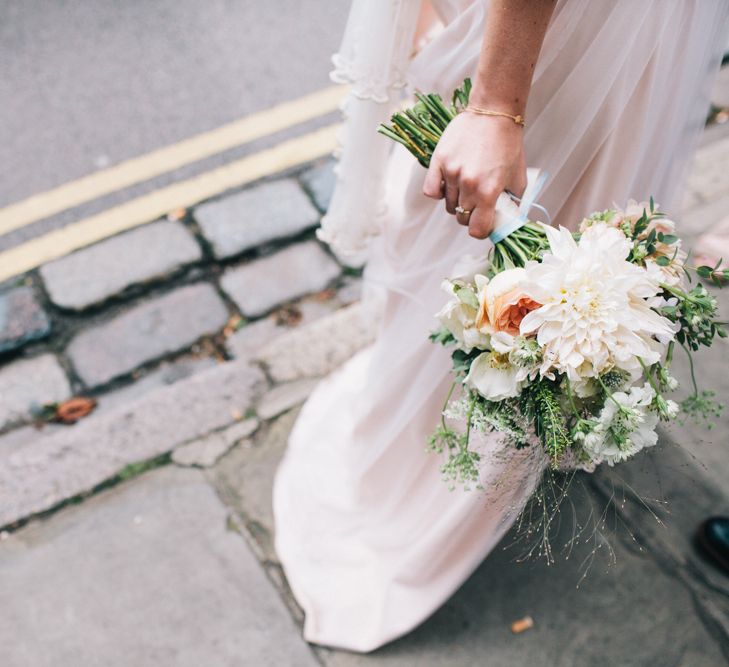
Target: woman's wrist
x=517, y=119
x=511, y=102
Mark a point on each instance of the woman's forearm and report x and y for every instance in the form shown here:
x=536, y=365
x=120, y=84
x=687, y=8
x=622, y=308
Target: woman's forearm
x=481, y=155
x=513, y=37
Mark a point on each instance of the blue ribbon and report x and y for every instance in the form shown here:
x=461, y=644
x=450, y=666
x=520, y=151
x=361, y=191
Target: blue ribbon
x=527, y=201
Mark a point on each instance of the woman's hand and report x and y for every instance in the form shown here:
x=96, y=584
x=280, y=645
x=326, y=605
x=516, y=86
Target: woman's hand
x=476, y=159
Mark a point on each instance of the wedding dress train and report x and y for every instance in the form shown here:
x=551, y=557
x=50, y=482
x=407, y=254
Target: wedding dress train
x=370, y=538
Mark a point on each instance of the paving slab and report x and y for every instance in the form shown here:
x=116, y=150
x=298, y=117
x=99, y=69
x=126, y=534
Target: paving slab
x=160, y=326
x=73, y=461
x=632, y=613
x=707, y=176
x=27, y=384
x=145, y=574
x=245, y=479
x=264, y=213
x=261, y=285
x=667, y=495
x=22, y=318
x=94, y=274
x=206, y=451
x=319, y=181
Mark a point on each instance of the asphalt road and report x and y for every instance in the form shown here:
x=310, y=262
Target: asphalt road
x=87, y=84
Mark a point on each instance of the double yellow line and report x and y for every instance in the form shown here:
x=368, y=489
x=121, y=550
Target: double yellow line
x=146, y=208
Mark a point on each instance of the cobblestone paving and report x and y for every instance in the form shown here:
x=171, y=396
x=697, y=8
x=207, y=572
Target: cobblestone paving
x=110, y=314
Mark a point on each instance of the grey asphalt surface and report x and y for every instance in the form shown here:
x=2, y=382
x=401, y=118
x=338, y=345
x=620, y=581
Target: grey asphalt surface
x=85, y=85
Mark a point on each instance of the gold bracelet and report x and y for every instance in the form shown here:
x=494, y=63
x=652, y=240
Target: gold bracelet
x=518, y=119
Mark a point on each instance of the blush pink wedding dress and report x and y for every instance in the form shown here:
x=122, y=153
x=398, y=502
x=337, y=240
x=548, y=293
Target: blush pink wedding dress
x=370, y=538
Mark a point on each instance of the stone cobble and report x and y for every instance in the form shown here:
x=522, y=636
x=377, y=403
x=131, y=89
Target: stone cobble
x=320, y=347
x=22, y=319
x=247, y=341
x=319, y=181
x=250, y=218
x=160, y=326
x=261, y=285
x=28, y=384
x=165, y=374
x=284, y=397
x=92, y=275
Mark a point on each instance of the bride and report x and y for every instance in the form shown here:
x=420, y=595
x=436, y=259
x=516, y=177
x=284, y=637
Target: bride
x=613, y=95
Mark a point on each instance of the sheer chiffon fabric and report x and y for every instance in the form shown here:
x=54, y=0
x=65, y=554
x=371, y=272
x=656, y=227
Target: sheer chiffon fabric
x=370, y=538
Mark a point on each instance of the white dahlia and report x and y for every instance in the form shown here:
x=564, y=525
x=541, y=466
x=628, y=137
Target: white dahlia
x=595, y=314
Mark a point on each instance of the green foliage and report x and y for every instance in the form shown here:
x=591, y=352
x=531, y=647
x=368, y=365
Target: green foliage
x=462, y=360
x=135, y=469
x=695, y=311
x=702, y=408
x=716, y=275
x=461, y=465
x=442, y=337
x=540, y=401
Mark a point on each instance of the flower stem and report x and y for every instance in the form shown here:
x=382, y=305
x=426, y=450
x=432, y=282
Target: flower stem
x=649, y=376
x=445, y=405
x=693, y=373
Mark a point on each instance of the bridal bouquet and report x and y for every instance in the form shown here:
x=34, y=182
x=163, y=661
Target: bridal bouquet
x=566, y=339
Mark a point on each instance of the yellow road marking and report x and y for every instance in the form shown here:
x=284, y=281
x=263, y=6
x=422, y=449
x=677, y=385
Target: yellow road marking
x=169, y=158
x=146, y=208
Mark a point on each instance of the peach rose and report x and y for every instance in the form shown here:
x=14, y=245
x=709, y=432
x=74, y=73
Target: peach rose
x=503, y=304
x=511, y=309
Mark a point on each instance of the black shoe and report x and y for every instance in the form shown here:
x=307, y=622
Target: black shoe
x=713, y=536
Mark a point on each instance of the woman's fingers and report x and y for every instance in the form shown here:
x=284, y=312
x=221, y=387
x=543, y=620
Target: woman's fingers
x=464, y=217
x=451, y=196
x=519, y=184
x=433, y=184
x=481, y=223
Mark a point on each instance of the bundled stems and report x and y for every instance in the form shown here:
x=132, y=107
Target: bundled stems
x=420, y=128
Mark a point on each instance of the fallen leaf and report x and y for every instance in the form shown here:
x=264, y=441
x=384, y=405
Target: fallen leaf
x=70, y=411
x=522, y=624
x=234, y=323
x=288, y=316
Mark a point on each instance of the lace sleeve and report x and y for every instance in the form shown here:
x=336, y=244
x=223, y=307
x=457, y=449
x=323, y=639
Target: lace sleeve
x=373, y=60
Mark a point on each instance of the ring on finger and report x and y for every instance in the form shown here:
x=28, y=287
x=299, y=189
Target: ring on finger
x=463, y=215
